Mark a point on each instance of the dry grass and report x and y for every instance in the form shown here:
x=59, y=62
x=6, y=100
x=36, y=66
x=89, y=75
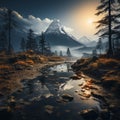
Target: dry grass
x=31, y=62
x=108, y=61
x=5, y=67
x=20, y=62
x=105, y=63
x=55, y=58
x=93, y=65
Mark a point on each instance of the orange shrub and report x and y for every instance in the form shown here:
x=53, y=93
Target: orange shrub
x=55, y=58
x=31, y=62
x=5, y=67
x=94, y=65
x=20, y=62
x=108, y=62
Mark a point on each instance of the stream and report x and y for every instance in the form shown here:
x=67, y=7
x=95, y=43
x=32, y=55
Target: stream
x=53, y=96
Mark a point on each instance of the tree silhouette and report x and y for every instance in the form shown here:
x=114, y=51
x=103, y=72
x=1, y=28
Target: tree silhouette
x=94, y=53
x=56, y=53
x=68, y=53
x=61, y=54
x=3, y=41
x=117, y=31
x=48, y=49
x=99, y=45
x=9, y=24
x=31, y=42
x=42, y=43
x=106, y=23
x=23, y=44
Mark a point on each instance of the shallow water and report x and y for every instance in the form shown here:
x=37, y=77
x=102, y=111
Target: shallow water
x=47, y=90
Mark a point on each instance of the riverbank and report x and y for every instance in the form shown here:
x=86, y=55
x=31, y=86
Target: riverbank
x=103, y=72
x=22, y=66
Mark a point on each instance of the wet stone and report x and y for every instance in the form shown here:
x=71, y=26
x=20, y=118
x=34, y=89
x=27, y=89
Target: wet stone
x=67, y=97
x=89, y=114
x=49, y=109
x=75, y=77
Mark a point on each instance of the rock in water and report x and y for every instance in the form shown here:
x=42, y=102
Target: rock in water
x=67, y=97
x=49, y=109
x=89, y=114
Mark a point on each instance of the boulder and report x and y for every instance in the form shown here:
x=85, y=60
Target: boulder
x=89, y=114
x=75, y=77
x=49, y=109
x=67, y=97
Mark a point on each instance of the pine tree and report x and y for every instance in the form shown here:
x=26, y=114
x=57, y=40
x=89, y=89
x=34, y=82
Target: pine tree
x=61, y=54
x=9, y=24
x=3, y=41
x=117, y=30
x=94, y=53
x=68, y=53
x=48, y=49
x=31, y=43
x=42, y=43
x=56, y=53
x=23, y=44
x=99, y=45
x=105, y=25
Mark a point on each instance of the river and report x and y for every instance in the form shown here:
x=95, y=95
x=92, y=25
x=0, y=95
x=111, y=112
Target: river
x=42, y=97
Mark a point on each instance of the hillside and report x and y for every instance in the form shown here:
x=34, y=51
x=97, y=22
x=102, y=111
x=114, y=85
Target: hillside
x=25, y=65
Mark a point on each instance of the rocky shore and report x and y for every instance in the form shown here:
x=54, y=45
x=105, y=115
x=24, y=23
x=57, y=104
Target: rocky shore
x=104, y=73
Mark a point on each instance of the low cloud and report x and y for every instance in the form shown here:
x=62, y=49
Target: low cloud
x=37, y=24
x=31, y=22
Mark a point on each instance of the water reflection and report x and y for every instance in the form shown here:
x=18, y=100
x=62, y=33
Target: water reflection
x=61, y=68
x=43, y=80
x=49, y=88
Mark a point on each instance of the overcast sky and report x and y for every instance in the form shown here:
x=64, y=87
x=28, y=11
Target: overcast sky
x=77, y=15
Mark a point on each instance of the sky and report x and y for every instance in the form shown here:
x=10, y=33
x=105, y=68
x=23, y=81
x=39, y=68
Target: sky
x=76, y=15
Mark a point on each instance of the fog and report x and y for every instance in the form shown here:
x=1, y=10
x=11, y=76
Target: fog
x=73, y=50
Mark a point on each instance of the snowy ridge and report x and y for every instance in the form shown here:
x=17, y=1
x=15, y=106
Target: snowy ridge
x=55, y=27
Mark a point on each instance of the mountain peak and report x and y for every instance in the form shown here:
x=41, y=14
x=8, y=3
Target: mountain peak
x=55, y=27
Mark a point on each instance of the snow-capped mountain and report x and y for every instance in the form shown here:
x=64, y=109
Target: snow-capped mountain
x=86, y=41
x=55, y=27
x=55, y=35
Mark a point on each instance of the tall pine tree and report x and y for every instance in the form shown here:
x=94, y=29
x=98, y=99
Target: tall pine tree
x=106, y=23
x=117, y=29
x=42, y=44
x=68, y=53
x=3, y=41
x=99, y=45
x=31, y=43
x=23, y=44
x=9, y=24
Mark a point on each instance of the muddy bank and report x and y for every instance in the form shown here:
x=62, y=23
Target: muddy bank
x=59, y=94
x=104, y=73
